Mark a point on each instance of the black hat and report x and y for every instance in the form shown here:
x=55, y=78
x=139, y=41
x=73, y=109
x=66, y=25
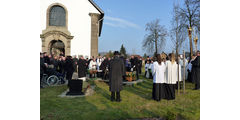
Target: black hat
x=116, y=53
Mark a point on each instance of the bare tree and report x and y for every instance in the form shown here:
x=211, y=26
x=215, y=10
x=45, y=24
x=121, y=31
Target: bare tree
x=156, y=38
x=191, y=15
x=178, y=32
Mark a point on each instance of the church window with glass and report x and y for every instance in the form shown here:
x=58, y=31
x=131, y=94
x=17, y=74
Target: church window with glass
x=57, y=16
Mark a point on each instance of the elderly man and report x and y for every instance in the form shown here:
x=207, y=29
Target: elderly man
x=116, y=73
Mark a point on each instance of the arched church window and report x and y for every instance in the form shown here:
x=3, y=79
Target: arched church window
x=57, y=16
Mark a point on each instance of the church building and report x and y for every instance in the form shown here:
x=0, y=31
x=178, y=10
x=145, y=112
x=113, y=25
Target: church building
x=71, y=27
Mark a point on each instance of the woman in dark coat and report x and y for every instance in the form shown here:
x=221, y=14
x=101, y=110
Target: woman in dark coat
x=116, y=73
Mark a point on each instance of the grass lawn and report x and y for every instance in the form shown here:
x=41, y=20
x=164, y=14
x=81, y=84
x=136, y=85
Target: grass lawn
x=136, y=103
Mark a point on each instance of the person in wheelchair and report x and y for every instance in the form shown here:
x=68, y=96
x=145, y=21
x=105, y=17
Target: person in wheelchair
x=56, y=77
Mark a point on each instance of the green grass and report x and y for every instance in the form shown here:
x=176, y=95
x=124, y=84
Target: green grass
x=136, y=103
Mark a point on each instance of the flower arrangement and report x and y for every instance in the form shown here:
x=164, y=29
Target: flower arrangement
x=130, y=76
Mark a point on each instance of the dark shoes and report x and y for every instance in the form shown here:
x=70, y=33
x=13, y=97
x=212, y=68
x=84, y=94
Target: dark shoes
x=118, y=100
x=117, y=97
x=112, y=99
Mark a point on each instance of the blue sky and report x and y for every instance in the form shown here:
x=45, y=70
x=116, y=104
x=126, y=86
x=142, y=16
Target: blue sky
x=125, y=20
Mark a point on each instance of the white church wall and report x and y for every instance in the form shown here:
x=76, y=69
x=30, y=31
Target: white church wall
x=79, y=23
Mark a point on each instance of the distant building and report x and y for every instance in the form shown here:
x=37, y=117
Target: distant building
x=138, y=56
x=70, y=26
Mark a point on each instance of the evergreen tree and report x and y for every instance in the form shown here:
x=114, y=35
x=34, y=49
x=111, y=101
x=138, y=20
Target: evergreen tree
x=145, y=56
x=123, y=51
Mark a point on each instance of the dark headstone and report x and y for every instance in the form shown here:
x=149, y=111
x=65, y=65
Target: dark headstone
x=75, y=87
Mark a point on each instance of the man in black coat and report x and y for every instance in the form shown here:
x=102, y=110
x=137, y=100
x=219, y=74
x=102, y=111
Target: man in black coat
x=61, y=65
x=42, y=68
x=81, y=67
x=46, y=58
x=140, y=65
x=75, y=61
x=116, y=73
x=196, y=71
x=103, y=67
x=51, y=60
x=106, y=76
x=55, y=63
x=132, y=61
x=69, y=68
x=135, y=65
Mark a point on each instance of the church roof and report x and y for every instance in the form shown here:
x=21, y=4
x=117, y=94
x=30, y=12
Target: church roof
x=101, y=17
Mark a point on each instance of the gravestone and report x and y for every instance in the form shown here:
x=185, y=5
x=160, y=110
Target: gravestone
x=75, y=87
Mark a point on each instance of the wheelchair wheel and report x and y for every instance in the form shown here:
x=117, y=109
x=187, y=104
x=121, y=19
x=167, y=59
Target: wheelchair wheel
x=52, y=80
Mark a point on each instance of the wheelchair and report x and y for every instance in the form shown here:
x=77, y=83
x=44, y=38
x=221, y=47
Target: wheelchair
x=52, y=77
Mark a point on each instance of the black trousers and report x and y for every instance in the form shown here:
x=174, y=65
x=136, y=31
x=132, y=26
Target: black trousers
x=140, y=69
x=197, y=85
x=137, y=73
x=117, y=96
x=189, y=77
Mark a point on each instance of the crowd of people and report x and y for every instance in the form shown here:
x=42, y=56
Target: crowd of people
x=165, y=72
x=94, y=67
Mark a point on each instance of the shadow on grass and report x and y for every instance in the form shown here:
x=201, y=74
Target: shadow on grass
x=111, y=109
x=103, y=92
x=83, y=108
x=144, y=89
x=55, y=108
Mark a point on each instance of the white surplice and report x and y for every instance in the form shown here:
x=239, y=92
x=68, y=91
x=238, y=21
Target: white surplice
x=158, y=72
x=172, y=72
